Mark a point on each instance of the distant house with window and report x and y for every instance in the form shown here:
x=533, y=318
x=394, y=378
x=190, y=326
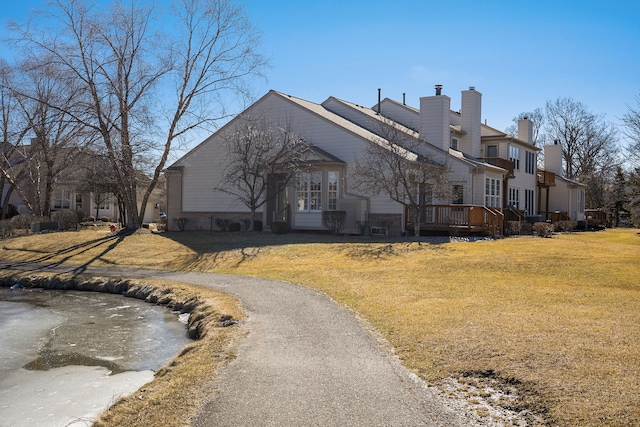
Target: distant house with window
x=560, y=199
x=71, y=192
x=493, y=175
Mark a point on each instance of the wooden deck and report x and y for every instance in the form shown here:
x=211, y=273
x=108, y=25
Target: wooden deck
x=454, y=219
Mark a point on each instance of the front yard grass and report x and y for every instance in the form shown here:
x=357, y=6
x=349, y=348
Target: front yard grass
x=558, y=319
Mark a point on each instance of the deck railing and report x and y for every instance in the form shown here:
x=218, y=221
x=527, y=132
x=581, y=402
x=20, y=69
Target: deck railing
x=469, y=218
x=282, y=215
x=502, y=163
x=546, y=178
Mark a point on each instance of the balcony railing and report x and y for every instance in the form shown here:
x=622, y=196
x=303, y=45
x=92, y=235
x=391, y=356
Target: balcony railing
x=501, y=163
x=465, y=218
x=546, y=178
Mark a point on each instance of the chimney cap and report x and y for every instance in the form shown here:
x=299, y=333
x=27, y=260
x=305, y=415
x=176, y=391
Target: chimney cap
x=438, y=89
x=472, y=88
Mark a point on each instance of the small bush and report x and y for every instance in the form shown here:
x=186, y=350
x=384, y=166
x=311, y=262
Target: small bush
x=526, y=229
x=279, y=227
x=512, y=228
x=257, y=225
x=181, y=223
x=104, y=219
x=6, y=228
x=563, y=226
x=234, y=226
x=91, y=218
x=23, y=221
x=543, y=229
x=66, y=219
x=334, y=220
x=222, y=224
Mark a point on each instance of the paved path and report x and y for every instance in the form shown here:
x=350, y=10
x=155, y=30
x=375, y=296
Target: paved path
x=305, y=361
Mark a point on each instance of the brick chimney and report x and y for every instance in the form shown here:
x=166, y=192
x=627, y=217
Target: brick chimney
x=434, y=119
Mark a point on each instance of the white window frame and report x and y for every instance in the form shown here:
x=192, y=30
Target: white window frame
x=530, y=162
x=580, y=201
x=514, y=156
x=514, y=198
x=493, y=192
x=309, y=192
x=333, y=190
x=529, y=202
x=62, y=199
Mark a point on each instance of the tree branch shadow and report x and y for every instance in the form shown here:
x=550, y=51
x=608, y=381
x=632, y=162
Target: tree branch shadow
x=70, y=252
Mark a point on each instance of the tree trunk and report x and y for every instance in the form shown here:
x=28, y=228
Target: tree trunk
x=416, y=222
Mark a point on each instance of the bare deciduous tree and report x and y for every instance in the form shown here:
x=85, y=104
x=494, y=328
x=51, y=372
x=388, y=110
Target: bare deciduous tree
x=258, y=150
x=146, y=85
x=537, y=118
x=44, y=141
x=588, y=141
x=390, y=165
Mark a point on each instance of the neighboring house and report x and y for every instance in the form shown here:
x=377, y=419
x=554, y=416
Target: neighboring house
x=69, y=194
x=559, y=198
x=492, y=174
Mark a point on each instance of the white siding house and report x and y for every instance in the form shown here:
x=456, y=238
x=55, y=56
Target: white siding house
x=560, y=198
x=481, y=175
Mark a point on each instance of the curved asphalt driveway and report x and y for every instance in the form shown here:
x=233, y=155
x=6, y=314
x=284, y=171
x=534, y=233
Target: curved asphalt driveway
x=305, y=362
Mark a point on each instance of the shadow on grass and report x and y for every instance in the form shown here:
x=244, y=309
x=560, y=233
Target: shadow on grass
x=249, y=244
x=68, y=253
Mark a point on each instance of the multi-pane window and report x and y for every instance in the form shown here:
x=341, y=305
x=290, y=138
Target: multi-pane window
x=514, y=156
x=492, y=192
x=514, y=198
x=332, y=191
x=529, y=202
x=530, y=162
x=309, y=191
x=454, y=143
x=62, y=199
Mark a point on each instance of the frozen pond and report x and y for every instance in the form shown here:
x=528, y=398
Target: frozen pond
x=66, y=355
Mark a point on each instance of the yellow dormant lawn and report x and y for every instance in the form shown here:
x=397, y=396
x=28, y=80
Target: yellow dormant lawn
x=558, y=319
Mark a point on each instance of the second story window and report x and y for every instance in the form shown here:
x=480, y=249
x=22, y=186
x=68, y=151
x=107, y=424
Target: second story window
x=514, y=156
x=454, y=143
x=530, y=162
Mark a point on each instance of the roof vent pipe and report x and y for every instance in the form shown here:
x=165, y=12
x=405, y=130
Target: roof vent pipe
x=438, y=90
x=379, y=92
x=404, y=98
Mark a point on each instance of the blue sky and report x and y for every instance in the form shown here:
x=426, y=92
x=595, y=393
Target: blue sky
x=517, y=54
